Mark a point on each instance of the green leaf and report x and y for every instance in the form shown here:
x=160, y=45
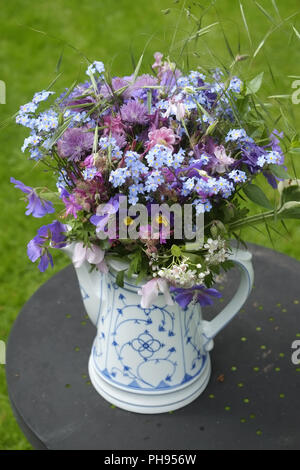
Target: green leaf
x=135, y=265
x=120, y=278
x=211, y=128
x=141, y=276
x=279, y=171
x=175, y=250
x=289, y=191
x=255, y=84
x=256, y=195
x=290, y=210
x=193, y=257
x=295, y=144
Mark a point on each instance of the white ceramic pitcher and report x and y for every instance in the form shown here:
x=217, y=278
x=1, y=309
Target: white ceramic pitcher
x=156, y=359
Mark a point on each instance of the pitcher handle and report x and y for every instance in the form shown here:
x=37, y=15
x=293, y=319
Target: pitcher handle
x=211, y=328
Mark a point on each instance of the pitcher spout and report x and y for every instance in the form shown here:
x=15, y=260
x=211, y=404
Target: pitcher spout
x=69, y=250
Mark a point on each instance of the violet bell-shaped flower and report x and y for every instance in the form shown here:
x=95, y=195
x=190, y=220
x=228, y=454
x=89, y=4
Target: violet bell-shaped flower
x=48, y=236
x=103, y=215
x=37, y=206
x=199, y=294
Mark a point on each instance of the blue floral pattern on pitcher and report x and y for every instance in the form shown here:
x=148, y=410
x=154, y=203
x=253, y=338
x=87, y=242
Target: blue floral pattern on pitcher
x=150, y=349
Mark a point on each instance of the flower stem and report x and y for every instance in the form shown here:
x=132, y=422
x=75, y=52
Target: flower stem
x=253, y=220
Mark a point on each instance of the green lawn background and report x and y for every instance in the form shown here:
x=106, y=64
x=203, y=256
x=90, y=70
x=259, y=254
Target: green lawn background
x=33, y=35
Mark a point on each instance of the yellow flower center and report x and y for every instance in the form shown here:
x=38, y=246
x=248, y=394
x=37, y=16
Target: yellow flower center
x=128, y=220
x=160, y=219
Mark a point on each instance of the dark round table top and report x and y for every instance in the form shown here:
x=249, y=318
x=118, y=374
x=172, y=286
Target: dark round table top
x=251, y=402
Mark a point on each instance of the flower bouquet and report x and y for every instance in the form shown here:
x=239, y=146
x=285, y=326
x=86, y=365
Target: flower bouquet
x=164, y=141
x=154, y=174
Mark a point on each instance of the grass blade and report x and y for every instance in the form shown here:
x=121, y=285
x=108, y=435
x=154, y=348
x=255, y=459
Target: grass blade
x=245, y=23
x=267, y=15
x=296, y=32
x=60, y=131
x=276, y=8
x=59, y=61
x=272, y=30
x=262, y=43
x=271, y=71
x=132, y=59
x=228, y=45
x=286, y=229
x=137, y=69
x=54, y=81
x=269, y=235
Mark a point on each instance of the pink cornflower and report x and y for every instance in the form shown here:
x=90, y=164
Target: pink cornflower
x=162, y=136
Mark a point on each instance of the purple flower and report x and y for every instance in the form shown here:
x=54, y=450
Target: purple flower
x=104, y=213
x=139, y=89
x=75, y=143
x=134, y=112
x=116, y=84
x=53, y=235
x=35, y=251
x=250, y=155
x=36, y=206
x=272, y=180
x=71, y=205
x=169, y=78
x=198, y=293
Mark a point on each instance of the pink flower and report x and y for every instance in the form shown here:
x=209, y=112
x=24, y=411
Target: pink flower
x=113, y=125
x=152, y=289
x=115, y=128
x=177, y=108
x=93, y=255
x=71, y=205
x=223, y=160
x=89, y=161
x=152, y=234
x=162, y=136
x=158, y=63
x=145, y=232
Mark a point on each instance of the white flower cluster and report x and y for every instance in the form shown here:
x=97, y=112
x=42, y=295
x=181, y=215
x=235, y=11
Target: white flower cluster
x=217, y=251
x=181, y=275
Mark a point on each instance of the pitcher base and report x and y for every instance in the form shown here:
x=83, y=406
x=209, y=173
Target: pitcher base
x=150, y=403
